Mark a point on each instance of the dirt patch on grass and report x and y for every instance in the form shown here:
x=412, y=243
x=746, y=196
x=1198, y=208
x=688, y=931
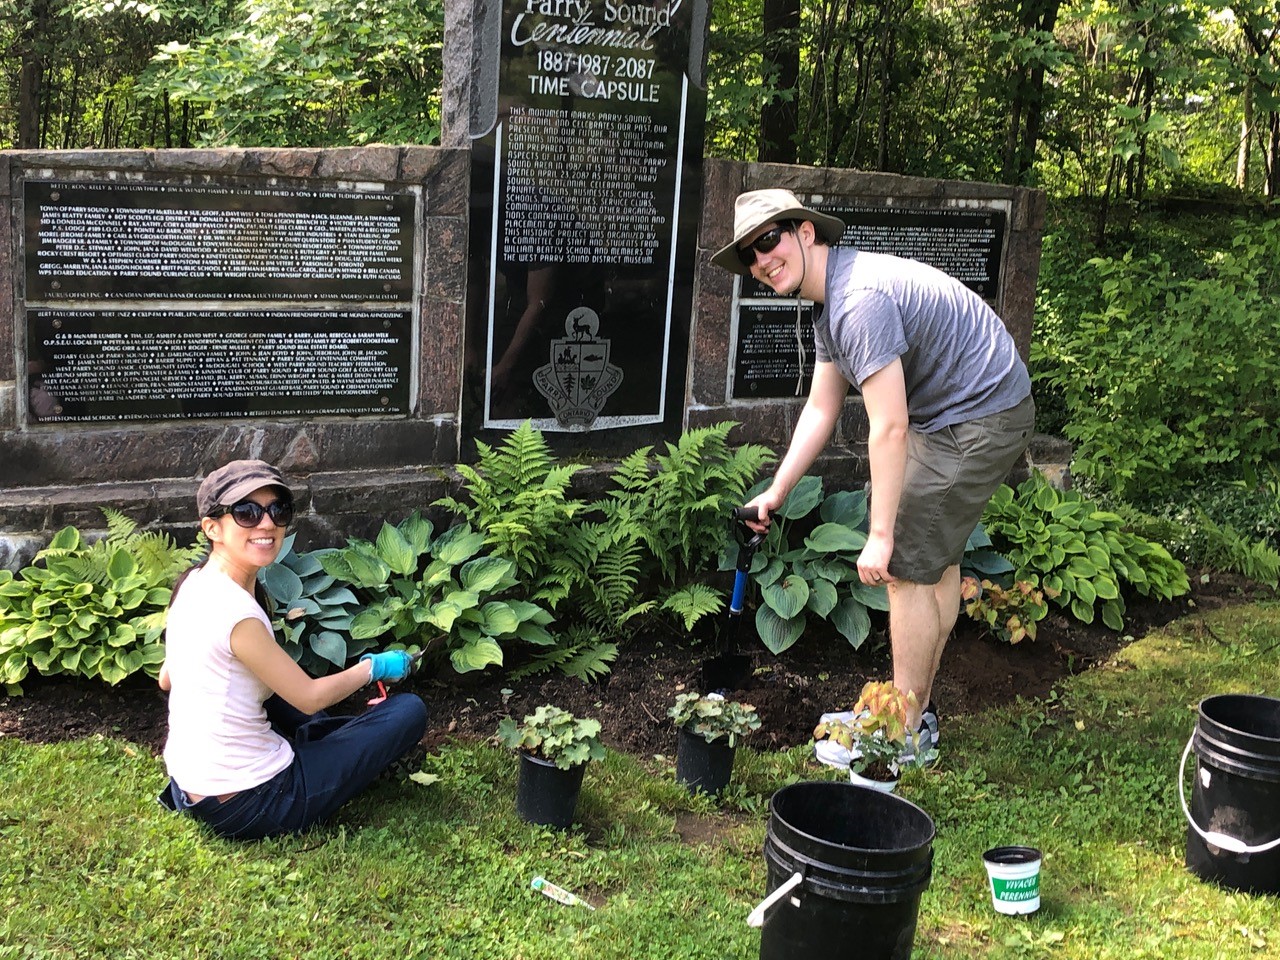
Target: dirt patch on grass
x=821, y=672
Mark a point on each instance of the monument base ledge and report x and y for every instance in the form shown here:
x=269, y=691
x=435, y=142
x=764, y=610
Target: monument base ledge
x=336, y=506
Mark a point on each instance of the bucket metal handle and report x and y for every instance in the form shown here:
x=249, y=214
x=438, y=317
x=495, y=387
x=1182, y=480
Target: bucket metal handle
x=756, y=917
x=1212, y=837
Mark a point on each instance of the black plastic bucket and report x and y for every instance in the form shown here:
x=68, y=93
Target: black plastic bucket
x=545, y=794
x=703, y=765
x=865, y=857
x=1233, y=823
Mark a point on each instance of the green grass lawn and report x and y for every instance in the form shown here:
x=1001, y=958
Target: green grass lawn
x=90, y=866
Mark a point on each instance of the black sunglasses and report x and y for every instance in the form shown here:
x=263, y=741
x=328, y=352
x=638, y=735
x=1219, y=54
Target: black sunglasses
x=765, y=243
x=248, y=513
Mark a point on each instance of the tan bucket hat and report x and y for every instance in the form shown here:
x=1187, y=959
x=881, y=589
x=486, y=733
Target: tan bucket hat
x=231, y=483
x=755, y=208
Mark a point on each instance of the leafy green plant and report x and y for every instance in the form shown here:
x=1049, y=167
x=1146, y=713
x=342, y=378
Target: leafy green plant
x=554, y=735
x=313, y=611
x=579, y=652
x=95, y=610
x=607, y=560
x=809, y=578
x=518, y=497
x=288, y=72
x=1010, y=613
x=1163, y=366
x=422, y=589
x=1194, y=537
x=1062, y=543
x=981, y=561
x=712, y=717
x=675, y=506
x=877, y=736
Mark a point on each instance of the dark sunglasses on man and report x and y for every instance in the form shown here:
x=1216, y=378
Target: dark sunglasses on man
x=248, y=513
x=765, y=243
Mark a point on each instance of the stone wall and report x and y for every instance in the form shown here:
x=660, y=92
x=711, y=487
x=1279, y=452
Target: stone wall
x=350, y=470
x=351, y=473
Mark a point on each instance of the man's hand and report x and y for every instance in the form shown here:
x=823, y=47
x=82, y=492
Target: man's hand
x=873, y=562
x=765, y=504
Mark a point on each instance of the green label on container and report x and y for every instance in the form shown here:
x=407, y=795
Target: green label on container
x=1016, y=891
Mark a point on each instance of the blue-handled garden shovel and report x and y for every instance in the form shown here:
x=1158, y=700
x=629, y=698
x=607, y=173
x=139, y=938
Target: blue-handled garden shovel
x=731, y=668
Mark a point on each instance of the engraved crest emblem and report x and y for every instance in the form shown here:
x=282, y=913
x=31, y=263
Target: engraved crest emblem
x=579, y=378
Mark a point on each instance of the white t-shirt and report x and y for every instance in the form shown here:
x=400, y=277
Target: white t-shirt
x=219, y=738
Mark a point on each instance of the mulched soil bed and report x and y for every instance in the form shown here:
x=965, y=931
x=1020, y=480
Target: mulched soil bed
x=821, y=672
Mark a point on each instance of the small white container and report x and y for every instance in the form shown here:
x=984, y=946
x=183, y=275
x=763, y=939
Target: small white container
x=884, y=786
x=1013, y=875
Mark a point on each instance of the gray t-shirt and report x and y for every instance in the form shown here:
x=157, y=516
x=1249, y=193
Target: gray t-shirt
x=959, y=361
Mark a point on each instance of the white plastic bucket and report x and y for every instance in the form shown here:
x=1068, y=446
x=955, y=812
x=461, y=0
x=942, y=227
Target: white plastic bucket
x=1013, y=875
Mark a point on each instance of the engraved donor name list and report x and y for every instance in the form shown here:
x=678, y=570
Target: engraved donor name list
x=164, y=301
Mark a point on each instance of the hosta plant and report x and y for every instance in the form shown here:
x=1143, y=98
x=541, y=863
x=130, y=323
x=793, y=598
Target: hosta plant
x=442, y=592
x=1079, y=555
x=313, y=611
x=713, y=717
x=554, y=735
x=94, y=610
x=799, y=574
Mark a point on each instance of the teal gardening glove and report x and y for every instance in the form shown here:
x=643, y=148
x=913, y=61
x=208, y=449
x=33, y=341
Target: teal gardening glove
x=391, y=665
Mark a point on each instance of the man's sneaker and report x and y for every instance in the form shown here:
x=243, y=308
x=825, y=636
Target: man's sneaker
x=828, y=751
x=929, y=741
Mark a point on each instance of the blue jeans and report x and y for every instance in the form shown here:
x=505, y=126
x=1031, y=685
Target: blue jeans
x=334, y=758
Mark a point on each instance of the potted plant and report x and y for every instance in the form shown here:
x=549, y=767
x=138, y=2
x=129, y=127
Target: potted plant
x=877, y=737
x=709, y=728
x=554, y=748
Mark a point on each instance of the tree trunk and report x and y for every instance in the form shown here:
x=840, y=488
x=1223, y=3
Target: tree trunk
x=1027, y=109
x=1246, y=139
x=886, y=97
x=1273, y=153
x=778, y=124
x=31, y=76
x=1009, y=168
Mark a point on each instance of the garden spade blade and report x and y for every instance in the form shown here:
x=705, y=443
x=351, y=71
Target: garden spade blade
x=730, y=668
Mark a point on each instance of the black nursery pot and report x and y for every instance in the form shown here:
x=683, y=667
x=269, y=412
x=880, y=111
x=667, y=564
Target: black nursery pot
x=545, y=794
x=701, y=765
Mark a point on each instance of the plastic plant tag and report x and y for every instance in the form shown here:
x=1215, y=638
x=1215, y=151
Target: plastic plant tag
x=558, y=894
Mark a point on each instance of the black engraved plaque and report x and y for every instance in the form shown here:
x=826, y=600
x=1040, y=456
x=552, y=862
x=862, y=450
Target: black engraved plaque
x=583, y=220
x=99, y=240
x=766, y=360
x=963, y=243
x=122, y=365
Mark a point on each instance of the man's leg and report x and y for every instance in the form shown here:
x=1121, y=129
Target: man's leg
x=921, y=617
x=947, y=593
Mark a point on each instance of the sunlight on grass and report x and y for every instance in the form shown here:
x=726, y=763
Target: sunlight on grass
x=91, y=866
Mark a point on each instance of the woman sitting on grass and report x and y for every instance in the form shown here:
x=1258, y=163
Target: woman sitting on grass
x=250, y=751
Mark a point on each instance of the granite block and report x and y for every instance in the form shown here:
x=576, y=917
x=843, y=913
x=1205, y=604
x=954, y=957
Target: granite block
x=440, y=351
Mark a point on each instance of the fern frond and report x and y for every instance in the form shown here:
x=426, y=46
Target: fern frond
x=542, y=663
x=87, y=567
x=694, y=602
x=523, y=459
x=635, y=472
x=591, y=662
x=119, y=527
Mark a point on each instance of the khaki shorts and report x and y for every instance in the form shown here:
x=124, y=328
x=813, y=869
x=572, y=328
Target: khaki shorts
x=951, y=475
